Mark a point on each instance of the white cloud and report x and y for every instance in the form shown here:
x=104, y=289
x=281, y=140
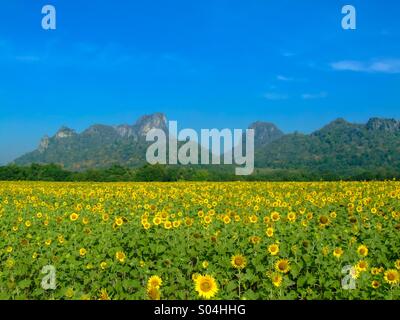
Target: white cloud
x=313, y=96
x=288, y=54
x=275, y=96
x=283, y=78
x=376, y=66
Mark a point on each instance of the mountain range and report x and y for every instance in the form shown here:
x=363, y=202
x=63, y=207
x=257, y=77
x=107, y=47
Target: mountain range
x=339, y=146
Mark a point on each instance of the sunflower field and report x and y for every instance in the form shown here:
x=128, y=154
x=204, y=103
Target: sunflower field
x=186, y=240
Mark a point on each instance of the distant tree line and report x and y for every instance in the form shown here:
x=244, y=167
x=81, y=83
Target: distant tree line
x=53, y=172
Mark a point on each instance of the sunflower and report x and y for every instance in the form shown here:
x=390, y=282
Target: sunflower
x=282, y=265
x=397, y=264
x=375, y=271
x=120, y=256
x=156, y=220
x=273, y=249
x=206, y=286
x=104, y=295
x=69, y=293
x=82, y=252
x=74, y=216
x=205, y=264
x=227, y=220
x=176, y=223
x=103, y=265
x=392, y=276
x=375, y=284
x=362, y=250
x=253, y=218
x=338, y=252
x=153, y=293
x=323, y=221
x=354, y=272
x=275, y=216
x=238, y=261
x=167, y=225
x=154, y=282
x=362, y=266
x=269, y=232
x=291, y=216
x=276, y=279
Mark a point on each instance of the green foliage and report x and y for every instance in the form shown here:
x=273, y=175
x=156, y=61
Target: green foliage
x=53, y=172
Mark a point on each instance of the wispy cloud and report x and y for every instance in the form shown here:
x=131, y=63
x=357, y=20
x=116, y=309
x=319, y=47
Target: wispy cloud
x=275, y=96
x=284, y=78
x=288, y=54
x=313, y=96
x=376, y=66
x=27, y=58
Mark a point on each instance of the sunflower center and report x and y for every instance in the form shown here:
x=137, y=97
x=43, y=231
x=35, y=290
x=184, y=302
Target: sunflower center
x=205, y=286
x=391, y=276
x=282, y=266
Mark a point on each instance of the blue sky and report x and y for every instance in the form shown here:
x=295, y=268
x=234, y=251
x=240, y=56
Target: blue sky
x=209, y=63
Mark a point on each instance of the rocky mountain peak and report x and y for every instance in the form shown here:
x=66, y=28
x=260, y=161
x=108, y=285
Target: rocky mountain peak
x=125, y=130
x=148, y=122
x=44, y=144
x=265, y=132
x=387, y=125
x=64, y=132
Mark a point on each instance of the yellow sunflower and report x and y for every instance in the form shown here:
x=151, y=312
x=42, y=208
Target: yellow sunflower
x=273, y=249
x=82, y=252
x=338, y=252
x=291, y=216
x=153, y=293
x=206, y=286
x=362, y=250
x=120, y=256
x=375, y=271
x=362, y=266
x=375, y=284
x=392, y=276
x=104, y=295
x=275, y=216
x=119, y=221
x=397, y=264
x=276, y=280
x=282, y=265
x=74, y=216
x=238, y=261
x=269, y=232
x=323, y=221
x=154, y=282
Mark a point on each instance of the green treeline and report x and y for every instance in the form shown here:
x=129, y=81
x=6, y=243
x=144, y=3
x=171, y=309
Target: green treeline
x=53, y=172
